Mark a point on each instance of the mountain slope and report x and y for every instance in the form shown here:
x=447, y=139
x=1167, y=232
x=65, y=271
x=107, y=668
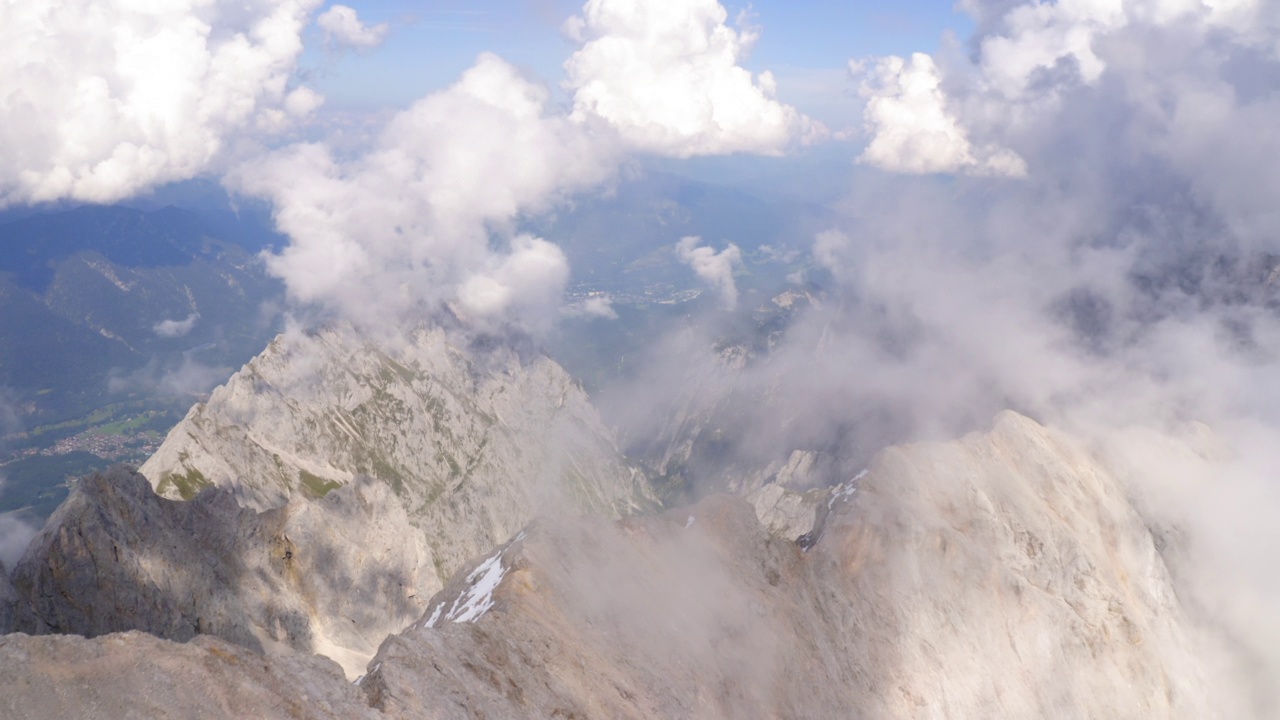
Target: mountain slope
x=134, y=675
x=331, y=577
x=1005, y=574
x=472, y=440
x=1002, y=575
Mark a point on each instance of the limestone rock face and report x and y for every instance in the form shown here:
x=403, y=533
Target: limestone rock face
x=333, y=576
x=788, y=513
x=135, y=675
x=1001, y=575
x=471, y=440
x=1008, y=575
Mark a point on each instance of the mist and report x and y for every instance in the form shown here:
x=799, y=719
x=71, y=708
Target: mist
x=1099, y=260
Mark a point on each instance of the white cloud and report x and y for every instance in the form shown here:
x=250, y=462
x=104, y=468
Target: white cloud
x=342, y=26
x=524, y=285
x=410, y=222
x=15, y=536
x=911, y=128
x=103, y=99
x=714, y=268
x=599, y=306
x=665, y=76
x=175, y=328
x=948, y=114
x=426, y=217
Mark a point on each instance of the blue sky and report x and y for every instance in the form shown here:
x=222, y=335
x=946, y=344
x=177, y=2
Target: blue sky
x=805, y=44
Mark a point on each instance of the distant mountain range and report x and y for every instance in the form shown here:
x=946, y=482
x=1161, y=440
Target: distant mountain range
x=99, y=304
x=112, y=319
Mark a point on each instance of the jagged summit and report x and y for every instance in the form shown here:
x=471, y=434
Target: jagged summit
x=471, y=440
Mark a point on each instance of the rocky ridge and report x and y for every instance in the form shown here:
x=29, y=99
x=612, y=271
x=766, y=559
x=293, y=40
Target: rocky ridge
x=1002, y=575
x=472, y=440
x=1005, y=574
x=331, y=577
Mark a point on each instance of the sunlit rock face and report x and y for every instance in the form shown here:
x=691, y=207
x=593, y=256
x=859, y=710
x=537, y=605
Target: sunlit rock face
x=1008, y=575
x=332, y=576
x=1001, y=575
x=135, y=675
x=471, y=440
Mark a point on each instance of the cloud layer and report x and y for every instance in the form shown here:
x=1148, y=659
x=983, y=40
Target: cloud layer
x=1183, y=70
x=1125, y=286
x=342, y=26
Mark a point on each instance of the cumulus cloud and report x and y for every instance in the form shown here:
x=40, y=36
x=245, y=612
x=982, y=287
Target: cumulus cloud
x=714, y=268
x=665, y=76
x=911, y=128
x=104, y=99
x=15, y=536
x=175, y=328
x=426, y=218
x=599, y=306
x=342, y=26
x=1031, y=61
x=409, y=226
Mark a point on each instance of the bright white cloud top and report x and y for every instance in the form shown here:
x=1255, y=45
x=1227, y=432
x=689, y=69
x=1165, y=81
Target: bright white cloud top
x=342, y=26
x=409, y=222
x=666, y=77
x=1172, y=71
x=912, y=130
x=103, y=99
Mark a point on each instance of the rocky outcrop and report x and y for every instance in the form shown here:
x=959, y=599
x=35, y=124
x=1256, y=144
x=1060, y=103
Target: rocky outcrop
x=472, y=440
x=1002, y=575
x=135, y=675
x=786, y=512
x=332, y=576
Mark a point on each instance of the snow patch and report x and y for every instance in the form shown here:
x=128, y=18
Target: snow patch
x=845, y=490
x=477, y=599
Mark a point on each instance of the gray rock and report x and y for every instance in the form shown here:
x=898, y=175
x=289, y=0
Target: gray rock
x=786, y=512
x=473, y=441
x=1001, y=575
x=332, y=576
x=135, y=676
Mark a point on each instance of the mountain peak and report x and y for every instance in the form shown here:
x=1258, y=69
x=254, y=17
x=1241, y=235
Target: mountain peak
x=471, y=441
